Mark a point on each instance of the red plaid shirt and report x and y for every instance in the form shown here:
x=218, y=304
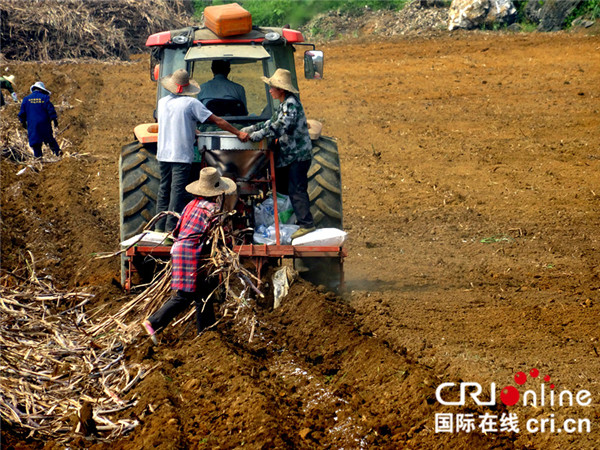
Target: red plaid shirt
x=189, y=234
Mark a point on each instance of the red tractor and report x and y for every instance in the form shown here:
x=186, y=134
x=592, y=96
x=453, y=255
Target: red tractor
x=251, y=52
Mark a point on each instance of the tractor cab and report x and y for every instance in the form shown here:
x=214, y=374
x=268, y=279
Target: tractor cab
x=250, y=56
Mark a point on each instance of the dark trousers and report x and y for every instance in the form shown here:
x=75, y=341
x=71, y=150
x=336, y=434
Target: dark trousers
x=293, y=181
x=181, y=300
x=172, y=196
x=51, y=142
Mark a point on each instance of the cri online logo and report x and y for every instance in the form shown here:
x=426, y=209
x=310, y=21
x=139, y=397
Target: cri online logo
x=510, y=395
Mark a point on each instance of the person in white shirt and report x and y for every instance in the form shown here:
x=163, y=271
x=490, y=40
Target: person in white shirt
x=178, y=115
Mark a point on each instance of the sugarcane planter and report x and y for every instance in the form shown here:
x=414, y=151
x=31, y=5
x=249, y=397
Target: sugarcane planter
x=251, y=52
x=252, y=166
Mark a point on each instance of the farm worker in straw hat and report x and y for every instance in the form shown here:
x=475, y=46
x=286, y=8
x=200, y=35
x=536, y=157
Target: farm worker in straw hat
x=8, y=82
x=190, y=282
x=294, y=156
x=37, y=114
x=178, y=116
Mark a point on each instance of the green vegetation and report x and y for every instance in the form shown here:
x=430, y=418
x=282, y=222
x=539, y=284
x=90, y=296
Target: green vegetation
x=299, y=12
x=528, y=27
x=590, y=9
x=521, y=18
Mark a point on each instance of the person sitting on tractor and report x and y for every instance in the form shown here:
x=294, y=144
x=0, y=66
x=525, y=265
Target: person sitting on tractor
x=221, y=88
x=178, y=113
x=295, y=152
x=190, y=282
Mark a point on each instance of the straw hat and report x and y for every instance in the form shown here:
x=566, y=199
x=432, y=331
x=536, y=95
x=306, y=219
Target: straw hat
x=10, y=79
x=211, y=183
x=179, y=83
x=281, y=79
x=40, y=85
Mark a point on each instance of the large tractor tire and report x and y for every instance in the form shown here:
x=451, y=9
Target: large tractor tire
x=139, y=178
x=325, y=184
x=325, y=194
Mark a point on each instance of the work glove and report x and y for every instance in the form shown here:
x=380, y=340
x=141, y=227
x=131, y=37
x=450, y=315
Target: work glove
x=14, y=96
x=55, y=124
x=24, y=125
x=247, y=130
x=255, y=137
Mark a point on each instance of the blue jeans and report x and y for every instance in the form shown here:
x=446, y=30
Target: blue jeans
x=172, y=196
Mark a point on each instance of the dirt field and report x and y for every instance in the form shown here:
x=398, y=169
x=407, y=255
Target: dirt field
x=471, y=174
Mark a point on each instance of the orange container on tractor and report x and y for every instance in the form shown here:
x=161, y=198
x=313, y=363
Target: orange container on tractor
x=227, y=20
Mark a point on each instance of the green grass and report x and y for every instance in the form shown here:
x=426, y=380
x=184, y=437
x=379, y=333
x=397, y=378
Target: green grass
x=528, y=27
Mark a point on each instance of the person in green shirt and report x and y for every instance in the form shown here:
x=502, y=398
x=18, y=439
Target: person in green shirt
x=8, y=82
x=294, y=156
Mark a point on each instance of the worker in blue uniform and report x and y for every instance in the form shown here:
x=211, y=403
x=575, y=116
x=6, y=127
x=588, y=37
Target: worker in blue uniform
x=37, y=115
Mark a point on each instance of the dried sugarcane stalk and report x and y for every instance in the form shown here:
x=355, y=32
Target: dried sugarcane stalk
x=43, y=346
x=235, y=281
x=99, y=29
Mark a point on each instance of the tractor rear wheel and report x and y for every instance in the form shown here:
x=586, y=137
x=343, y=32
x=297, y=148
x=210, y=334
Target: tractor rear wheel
x=325, y=184
x=325, y=194
x=139, y=178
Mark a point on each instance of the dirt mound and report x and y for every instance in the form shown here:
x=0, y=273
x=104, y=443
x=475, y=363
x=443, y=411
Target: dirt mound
x=30, y=29
x=293, y=386
x=469, y=167
x=299, y=384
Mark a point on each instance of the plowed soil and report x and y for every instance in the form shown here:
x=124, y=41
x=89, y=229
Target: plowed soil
x=471, y=183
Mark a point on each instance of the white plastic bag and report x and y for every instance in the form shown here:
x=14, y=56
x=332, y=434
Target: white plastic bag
x=264, y=213
x=266, y=235
x=282, y=280
x=325, y=237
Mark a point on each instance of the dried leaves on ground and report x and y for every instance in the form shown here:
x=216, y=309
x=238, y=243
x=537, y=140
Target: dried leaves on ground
x=53, y=367
x=63, y=369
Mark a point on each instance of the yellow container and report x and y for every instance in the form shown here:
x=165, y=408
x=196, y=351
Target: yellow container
x=227, y=20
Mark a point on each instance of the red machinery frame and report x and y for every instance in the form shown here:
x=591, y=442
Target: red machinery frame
x=259, y=253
